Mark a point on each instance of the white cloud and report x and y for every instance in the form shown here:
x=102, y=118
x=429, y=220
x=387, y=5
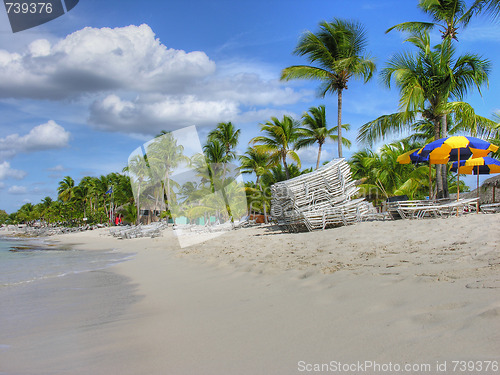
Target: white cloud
x=138, y=85
x=57, y=168
x=42, y=137
x=6, y=171
x=94, y=60
x=17, y=190
x=309, y=155
x=151, y=114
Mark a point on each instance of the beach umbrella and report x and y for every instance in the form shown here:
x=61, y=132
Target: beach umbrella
x=477, y=166
x=413, y=157
x=456, y=148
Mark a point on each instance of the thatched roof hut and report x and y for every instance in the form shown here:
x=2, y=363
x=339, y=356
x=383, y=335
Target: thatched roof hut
x=489, y=191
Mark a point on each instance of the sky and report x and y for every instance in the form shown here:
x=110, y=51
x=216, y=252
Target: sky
x=80, y=93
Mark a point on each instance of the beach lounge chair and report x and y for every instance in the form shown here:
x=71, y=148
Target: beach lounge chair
x=392, y=204
x=490, y=208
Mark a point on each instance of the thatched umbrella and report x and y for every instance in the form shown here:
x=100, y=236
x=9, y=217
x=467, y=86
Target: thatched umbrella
x=494, y=182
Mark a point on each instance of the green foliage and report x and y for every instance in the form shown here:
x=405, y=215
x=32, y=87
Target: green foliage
x=4, y=216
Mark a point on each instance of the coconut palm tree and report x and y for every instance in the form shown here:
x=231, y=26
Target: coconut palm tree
x=336, y=51
x=216, y=157
x=427, y=80
x=66, y=189
x=279, y=140
x=382, y=176
x=164, y=156
x=139, y=173
x=228, y=136
x=258, y=162
x=447, y=15
x=315, y=130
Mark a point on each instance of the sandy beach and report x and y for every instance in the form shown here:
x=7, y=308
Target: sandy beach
x=421, y=293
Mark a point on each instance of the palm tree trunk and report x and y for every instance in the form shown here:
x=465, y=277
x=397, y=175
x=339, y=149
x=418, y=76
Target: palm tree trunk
x=319, y=155
x=263, y=198
x=439, y=180
x=287, y=172
x=138, y=206
x=444, y=170
x=339, y=121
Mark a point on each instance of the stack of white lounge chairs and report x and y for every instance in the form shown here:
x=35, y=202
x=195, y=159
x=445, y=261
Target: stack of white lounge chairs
x=317, y=200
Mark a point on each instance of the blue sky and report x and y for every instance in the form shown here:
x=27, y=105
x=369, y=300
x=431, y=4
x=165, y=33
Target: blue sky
x=80, y=93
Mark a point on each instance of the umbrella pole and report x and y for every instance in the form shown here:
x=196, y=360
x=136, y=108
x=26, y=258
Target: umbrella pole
x=477, y=184
x=458, y=176
x=430, y=182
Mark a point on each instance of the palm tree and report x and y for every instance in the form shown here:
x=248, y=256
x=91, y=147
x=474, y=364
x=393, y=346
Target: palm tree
x=279, y=140
x=337, y=50
x=382, y=176
x=447, y=15
x=164, y=156
x=139, y=173
x=66, y=189
x=315, y=130
x=258, y=162
x=216, y=157
x=228, y=136
x=426, y=81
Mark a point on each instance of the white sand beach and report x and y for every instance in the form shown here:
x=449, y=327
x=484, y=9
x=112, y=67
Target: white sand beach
x=258, y=301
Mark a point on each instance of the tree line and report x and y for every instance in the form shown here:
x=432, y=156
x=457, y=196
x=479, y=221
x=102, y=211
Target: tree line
x=432, y=80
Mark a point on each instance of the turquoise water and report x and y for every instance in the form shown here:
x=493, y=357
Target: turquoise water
x=26, y=261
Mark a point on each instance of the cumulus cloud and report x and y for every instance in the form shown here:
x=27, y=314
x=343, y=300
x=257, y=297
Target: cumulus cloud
x=42, y=137
x=6, y=171
x=138, y=85
x=150, y=115
x=94, y=60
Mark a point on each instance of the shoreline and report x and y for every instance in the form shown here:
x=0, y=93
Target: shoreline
x=257, y=301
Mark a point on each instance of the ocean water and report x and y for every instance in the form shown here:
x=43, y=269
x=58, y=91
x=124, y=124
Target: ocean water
x=25, y=261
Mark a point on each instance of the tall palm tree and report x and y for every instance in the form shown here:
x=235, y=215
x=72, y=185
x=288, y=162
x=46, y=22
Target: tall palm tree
x=279, y=140
x=216, y=157
x=139, y=173
x=66, y=189
x=427, y=80
x=315, y=130
x=164, y=156
x=337, y=51
x=228, y=136
x=258, y=162
x=447, y=15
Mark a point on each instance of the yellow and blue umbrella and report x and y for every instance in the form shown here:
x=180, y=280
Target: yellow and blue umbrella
x=411, y=157
x=477, y=166
x=456, y=148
